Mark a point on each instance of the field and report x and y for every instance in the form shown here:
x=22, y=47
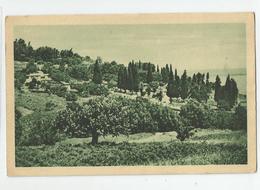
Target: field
x=205, y=147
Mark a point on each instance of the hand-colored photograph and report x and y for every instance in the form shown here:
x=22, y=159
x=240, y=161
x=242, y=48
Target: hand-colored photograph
x=148, y=92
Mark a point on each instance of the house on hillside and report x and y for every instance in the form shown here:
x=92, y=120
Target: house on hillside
x=68, y=87
x=39, y=76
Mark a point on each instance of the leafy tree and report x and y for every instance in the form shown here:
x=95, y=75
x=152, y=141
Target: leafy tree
x=97, y=75
x=66, y=53
x=31, y=67
x=240, y=118
x=40, y=129
x=79, y=71
x=106, y=117
x=71, y=96
x=73, y=121
x=22, y=51
x=196, y=114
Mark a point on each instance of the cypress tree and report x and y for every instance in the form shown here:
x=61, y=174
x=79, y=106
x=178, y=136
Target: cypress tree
x=217, y=94
x=135, y=78
x=167, y=69
x=184, y=85
x=176, y=85
x=158, y=70
x=120, y=79
x=207, y=78
x=97, y=75
x=130, y=79
x=125, y=79
x=234, y=92
x=149, y=74
x=170, y=86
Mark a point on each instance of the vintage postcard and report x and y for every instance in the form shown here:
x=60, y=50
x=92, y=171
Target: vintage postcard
x=130, y=94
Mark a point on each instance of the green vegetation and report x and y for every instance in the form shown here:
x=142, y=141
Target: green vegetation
x=76, y=111
x=206, y=147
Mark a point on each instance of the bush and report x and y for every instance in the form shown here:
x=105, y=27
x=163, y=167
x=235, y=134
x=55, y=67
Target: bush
x=59, y=90
x=38, y=129
x=50, y=106
x=240, y=118
x=220, y=119
x=196, y=114
x=95, y=89
x=18, y=128
x=71, y=96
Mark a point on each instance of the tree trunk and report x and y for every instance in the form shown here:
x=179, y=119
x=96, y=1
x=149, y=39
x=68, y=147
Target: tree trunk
x=94, y=137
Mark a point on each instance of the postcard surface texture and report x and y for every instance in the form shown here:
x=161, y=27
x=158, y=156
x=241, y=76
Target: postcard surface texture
x=130, y=94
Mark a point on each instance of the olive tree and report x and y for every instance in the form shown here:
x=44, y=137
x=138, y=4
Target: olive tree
x=106, y=116
x=99, y=117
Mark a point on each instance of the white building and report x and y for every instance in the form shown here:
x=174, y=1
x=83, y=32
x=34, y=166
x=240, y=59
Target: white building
x=39, y=76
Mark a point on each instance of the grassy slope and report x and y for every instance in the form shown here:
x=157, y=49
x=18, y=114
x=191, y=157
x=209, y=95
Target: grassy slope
x=37, y=101
x=205, y=147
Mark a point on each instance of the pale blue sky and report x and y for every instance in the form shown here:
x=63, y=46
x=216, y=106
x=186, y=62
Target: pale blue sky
x=185, y=46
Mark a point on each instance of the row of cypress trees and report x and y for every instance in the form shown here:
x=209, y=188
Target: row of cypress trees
x=196, y=87
x=226, y=96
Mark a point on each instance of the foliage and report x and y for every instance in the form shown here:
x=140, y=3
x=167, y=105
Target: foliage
x=58, y=90
x=132, y=154
x=30, y=68
x=58, y=75
x=25, y=52
x=97, y=75
x=19, y=80
x=226, y=96
x=38, y=128
x=79, y=71
x=22, y=51
x=18, y=127
x=196, y=114
x=149, y=73
x=50, y=105
x=240, y=118
x=71, y=96
x=33, y=84
x=72, y=121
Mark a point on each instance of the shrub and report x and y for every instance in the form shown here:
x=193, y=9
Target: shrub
x=240, y=118
x=50, y=106
x=220, y=119
x=183, y=131
x=18, y=127
x=38, y=129
x=196, y=114
x=96, y=89
x=71, y=96
x=59, y=90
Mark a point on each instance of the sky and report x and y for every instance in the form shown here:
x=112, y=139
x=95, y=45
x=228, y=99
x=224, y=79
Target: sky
x=185, y=46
